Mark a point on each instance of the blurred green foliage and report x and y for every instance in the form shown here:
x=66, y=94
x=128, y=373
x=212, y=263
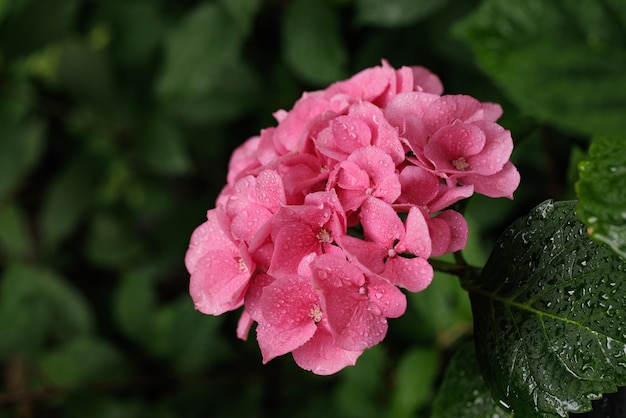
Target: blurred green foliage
x=117, y=120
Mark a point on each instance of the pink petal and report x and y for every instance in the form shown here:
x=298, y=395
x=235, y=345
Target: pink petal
x=419, y=186
x=440, y=236
x=254, y=293
x=417, y=238
x=449, y=195
x=413, y=274
x=370, y=255
x=383, y=135
x=321, y=356
x=448, y=232
x=426, y=81
x=292, y=242
x=243, y=325
x=386, y=297
x=218, y=283
x=289, y=302
x=380, y=222
x=292, y=130
x=355, y=322
x=450, y=108
x=501, y=184
x=407, y=104
x=274, y=341
x=291, y=309
x=207, y=237
x=452, y=143
x=344, y=135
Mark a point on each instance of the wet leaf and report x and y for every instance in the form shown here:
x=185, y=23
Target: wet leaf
x=463, y=392
x=602, y=192
x=549, y=313
x=560, y=63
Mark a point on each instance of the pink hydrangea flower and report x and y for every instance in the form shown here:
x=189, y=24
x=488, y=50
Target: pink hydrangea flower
x=326, y=216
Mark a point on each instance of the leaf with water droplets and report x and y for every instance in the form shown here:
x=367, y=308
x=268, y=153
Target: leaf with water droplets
x=549, y=311
x=602, y=192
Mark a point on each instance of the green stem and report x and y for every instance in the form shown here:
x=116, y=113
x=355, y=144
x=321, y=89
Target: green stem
x=463, y=270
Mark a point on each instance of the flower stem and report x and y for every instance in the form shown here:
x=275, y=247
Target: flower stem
x=461, y=269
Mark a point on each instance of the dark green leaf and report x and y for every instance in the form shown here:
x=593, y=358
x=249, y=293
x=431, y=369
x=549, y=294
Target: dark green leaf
x=111, y=242
x=312, y=42
x=243, y=12
x=197, y=51
x=454, y=315
x=29, y=25
x=162, y=149
x=416, y=374
x=186, y=338
x=85, y=74
x=463, y=392
x=558, y=61
x=36, y=303
x=549, y=313
x=134, y=306
x=237, y=93
x=21, y=145
x=14, y=235
x=602, y=192
x=81, y=361
x=68, y=199
x=360, y=386
x=395, y=13
x=135, y=45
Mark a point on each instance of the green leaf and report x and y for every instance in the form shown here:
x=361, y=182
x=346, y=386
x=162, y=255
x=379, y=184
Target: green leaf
x=135, y=45
x=134, y=306
x=21, y=146
x=36, y=303
x=602, y=192
x=189, y=340
x=85, y=74
x=560, y=62
x=237, y=93
x=29, y=25
x=98, y=361
x=111, y=242
x=14, y=236
x=454, y=315
x=463, y=392
x=312, y=41
x=196, y=53
x=415, y=377
x=68, y=199
x=243, y=12
x=395, y=13
x=549, y=312
x=162, y=149
x=356, y=395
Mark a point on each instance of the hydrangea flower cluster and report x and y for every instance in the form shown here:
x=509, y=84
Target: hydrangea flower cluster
x=328, y=214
